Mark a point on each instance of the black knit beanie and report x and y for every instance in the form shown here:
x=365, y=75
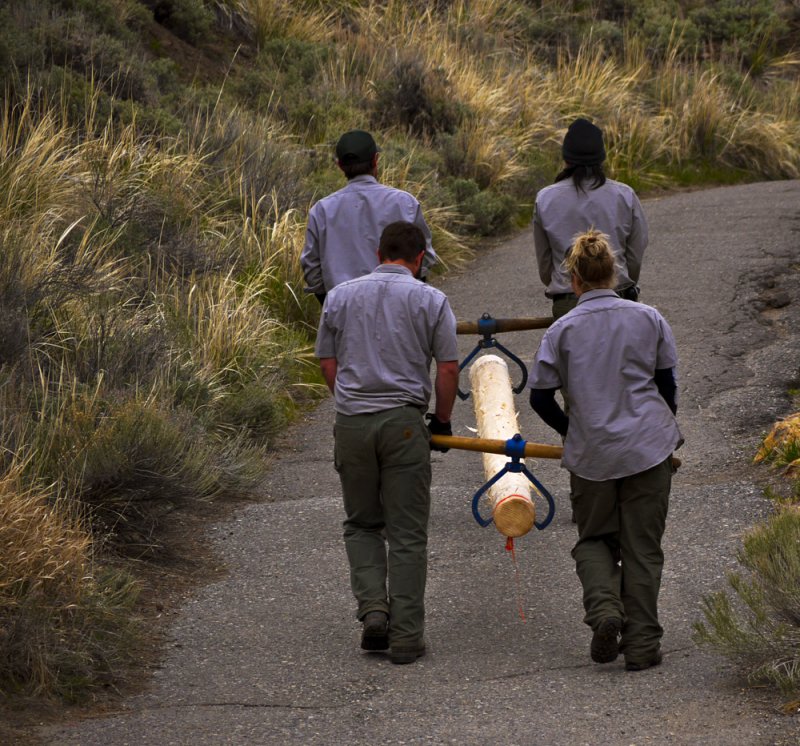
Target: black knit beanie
x=583, y=144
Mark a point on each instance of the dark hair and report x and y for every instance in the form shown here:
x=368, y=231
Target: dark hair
x=401, y=240
x=351, y=170
x=581, y=173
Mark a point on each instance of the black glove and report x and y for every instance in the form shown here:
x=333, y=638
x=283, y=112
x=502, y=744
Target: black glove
x=629, y=293
x=437, y=427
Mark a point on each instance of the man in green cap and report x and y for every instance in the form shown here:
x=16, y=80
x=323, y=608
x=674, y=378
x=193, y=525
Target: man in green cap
x=345, y=227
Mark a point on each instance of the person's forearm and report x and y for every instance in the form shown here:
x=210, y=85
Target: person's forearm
x=311, y=263
x=328, y=366
x=637, y=242
x=430, y=257
x=667, y=387
x=545, y=405
x=445, y=389
x=544, y=254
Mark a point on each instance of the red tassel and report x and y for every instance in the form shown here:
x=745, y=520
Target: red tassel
x=510, y=548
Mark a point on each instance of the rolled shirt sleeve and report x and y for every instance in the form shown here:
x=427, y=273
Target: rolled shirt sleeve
x=445, y=342
x=544, y=252
x=637, y=240
x=544, y=372
x=430, y=257
x=310, y=259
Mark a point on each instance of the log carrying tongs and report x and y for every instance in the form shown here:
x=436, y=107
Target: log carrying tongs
x=516, y=449
x=487, y=327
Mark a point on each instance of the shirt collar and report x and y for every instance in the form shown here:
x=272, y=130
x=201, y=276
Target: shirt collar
x=363, y=179
x=394, y=268
x=601, y=293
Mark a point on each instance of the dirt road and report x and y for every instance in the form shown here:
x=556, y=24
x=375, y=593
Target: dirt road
x=269, y=654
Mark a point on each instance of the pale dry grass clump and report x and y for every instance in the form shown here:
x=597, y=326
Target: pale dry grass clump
x=270, y=241
x=232, y=333
x=781, y=446
x=749, y=127
x=62, y=626
x=298, y=19
x=764, y=144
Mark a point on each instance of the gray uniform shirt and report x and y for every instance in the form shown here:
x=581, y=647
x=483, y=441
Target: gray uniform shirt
x=605, y=353
x=561, y=213
x=383, y=329
x=345, y=227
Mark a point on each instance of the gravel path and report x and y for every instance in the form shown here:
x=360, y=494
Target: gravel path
x=269, y=654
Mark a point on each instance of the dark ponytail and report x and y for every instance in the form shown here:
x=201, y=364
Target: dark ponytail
x=581, y=173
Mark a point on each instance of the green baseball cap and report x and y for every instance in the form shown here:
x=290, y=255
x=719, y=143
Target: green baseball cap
x=356, y=146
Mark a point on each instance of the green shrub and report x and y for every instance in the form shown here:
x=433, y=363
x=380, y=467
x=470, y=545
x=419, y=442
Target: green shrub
x=257, y=409
x=759, y=625
x=608, y=35
x=285, y=81
x=417, y=98
x=104, y=16
x=128, y=463
x=665, y=27
x=458, y=160
x=490, y=213
x=463, y=189
x=189, y=19
x=729, y=21
x=298, y=60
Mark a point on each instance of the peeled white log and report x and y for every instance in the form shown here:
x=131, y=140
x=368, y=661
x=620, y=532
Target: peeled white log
x=510, y=497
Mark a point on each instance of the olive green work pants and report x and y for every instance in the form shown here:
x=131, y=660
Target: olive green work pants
x=618, y=556
x=384, y=465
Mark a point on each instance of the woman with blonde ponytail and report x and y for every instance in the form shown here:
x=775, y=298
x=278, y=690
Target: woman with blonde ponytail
x=590, y=262
x=614, y=360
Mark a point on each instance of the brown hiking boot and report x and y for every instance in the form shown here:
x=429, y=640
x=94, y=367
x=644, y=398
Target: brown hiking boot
x=653, y=660
x=605, y=640
x=375, y=632
x=406, y=653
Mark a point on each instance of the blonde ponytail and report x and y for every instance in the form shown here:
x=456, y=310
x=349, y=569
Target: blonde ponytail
x=591, y=260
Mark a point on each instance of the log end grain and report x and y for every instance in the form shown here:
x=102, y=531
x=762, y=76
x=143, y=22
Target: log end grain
x=514, y=515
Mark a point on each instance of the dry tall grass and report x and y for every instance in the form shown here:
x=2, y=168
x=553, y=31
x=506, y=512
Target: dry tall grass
x=58, y=610
x=146, y=358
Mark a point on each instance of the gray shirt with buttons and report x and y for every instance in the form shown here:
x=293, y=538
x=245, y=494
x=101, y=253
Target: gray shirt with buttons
x=345, y=227
x=562, y=212
x=605, y=353
x=383, y=329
